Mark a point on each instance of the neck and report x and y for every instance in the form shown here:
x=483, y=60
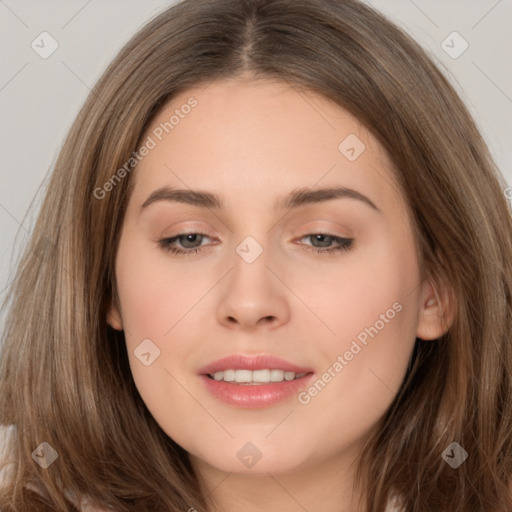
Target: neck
x=326, y=485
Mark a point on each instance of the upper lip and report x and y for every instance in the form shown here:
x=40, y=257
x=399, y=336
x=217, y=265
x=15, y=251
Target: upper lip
x=258, y=362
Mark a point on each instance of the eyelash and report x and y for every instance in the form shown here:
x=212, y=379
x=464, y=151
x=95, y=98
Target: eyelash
x=345, y=244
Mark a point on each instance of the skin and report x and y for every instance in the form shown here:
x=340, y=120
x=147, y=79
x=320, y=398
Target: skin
x=252, y=142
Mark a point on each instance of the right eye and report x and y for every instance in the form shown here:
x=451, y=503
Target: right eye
x=168, y=244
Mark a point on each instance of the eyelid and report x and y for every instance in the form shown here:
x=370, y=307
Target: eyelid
x=311, y=227
x=191, y=228
x=345, y=232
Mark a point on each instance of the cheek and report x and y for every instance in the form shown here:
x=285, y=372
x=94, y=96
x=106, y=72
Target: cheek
x=366, y=289
x=372, y=309
x=155, y=292
x=155, y=298
x=374, y=314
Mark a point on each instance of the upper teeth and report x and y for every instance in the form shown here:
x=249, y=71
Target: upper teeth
x=256, y=376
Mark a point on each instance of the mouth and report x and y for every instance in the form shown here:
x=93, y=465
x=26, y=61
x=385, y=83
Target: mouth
x=254, y=381
x=255, y=377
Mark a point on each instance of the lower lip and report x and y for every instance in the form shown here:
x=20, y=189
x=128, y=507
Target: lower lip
x=255, y=396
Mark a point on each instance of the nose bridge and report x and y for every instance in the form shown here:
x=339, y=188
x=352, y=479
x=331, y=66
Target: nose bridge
x=251, y=277
x=253, y=293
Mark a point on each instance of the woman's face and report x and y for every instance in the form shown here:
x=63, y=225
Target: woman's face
x=246, y=170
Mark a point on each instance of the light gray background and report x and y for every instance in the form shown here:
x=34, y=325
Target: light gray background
x=39, y=98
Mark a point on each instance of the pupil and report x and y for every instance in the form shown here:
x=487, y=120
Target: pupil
x=190, y=238
x=320, y=237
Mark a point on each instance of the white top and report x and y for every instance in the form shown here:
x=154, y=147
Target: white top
x=6, y=441
x=7, y=434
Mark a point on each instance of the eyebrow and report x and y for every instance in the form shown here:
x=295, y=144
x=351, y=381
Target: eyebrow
x=296, y=199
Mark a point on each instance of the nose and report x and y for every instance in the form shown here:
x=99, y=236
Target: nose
x=253, y=296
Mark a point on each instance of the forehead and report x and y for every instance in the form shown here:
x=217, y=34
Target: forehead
x=241, y=107
x=262, y=136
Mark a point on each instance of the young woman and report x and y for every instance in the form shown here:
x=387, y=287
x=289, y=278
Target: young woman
x=272, y=271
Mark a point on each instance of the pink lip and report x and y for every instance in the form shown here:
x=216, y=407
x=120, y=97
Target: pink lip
x=260, y=362
x=254, y=396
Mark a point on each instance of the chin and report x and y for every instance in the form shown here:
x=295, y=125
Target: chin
x=257, y=459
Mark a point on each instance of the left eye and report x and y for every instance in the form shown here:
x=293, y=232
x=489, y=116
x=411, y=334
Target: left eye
x=192, y=243
x=344, y=244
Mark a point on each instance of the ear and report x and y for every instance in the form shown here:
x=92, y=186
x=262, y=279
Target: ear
x=114, y=316
x=436, y=310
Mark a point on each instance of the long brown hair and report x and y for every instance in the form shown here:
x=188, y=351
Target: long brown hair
x=64, y=373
